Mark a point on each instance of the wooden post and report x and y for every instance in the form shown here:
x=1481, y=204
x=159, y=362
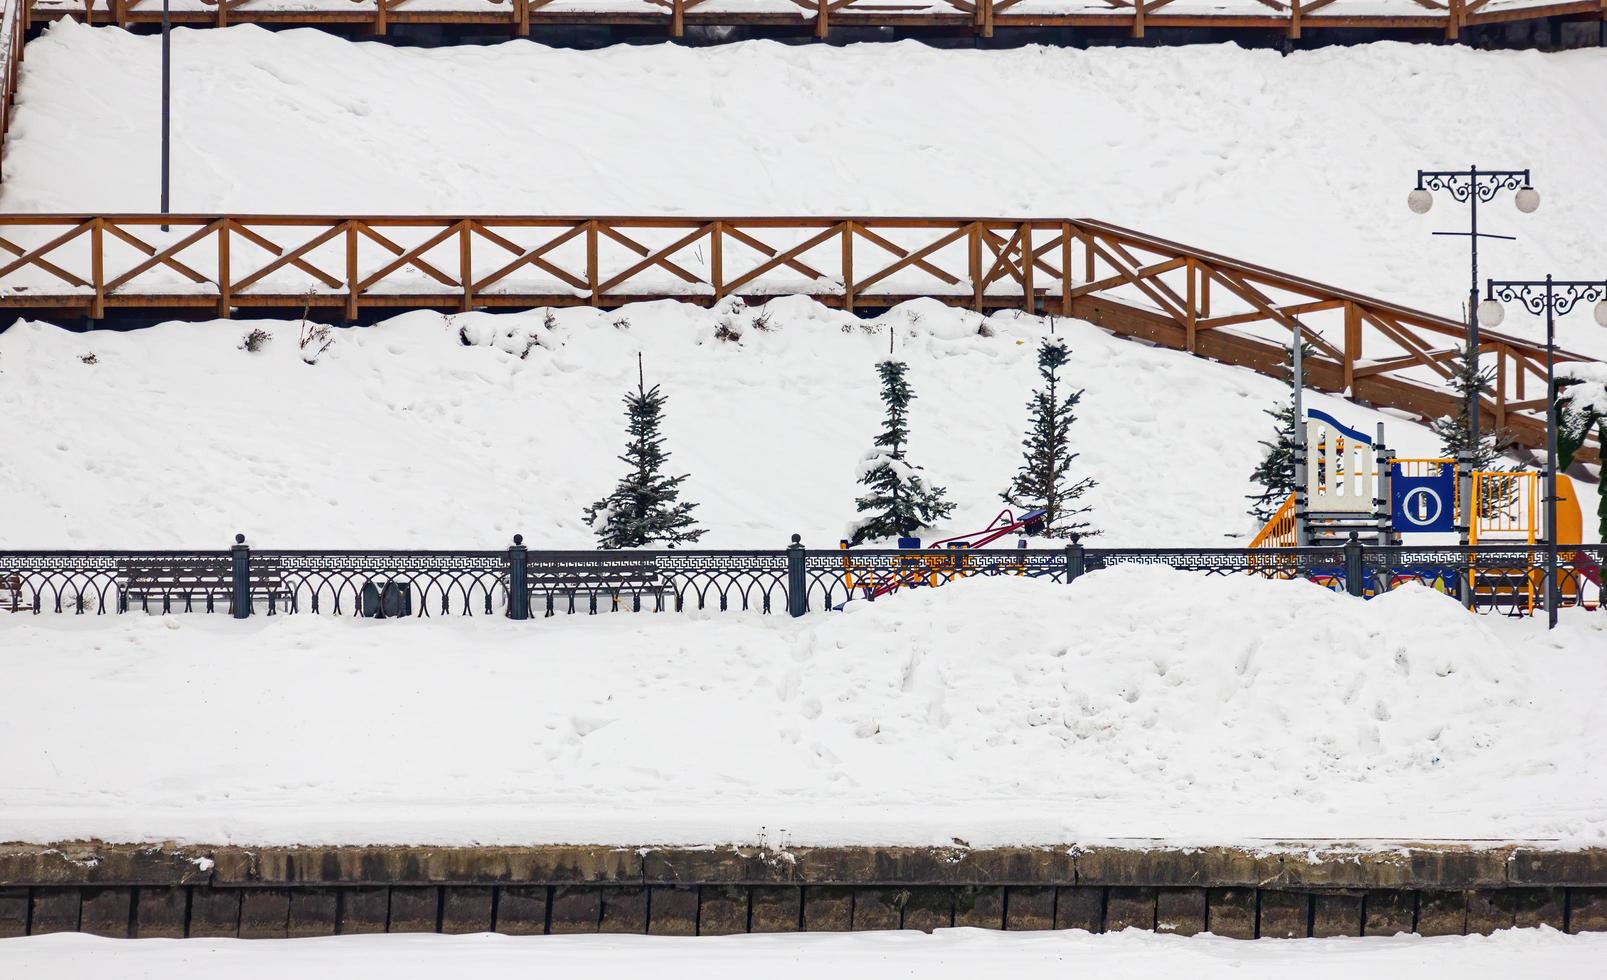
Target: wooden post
x=466, y=265
x=1501, y=388
x=976, y=264
x=1138, y=18
x=1031, y=300
x=591, y=262
x=1088, y=257
x=521, y=18
x=1454, y=12
x=717, y=259
x=223, y=13
x=1353, y=350
x=379, y=17
x=1065, y=268
x=1205, y=294
x=677, y=18
x=984, y=17
x=823, y=12
x=224, y=293
x=119, y=12
x=1191, y=325
x=848, y=266
x=351, y=269
x=1294, y=20
x=97, y=268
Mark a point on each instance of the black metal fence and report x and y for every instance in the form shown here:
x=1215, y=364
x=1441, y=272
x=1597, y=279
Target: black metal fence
x=520, y=583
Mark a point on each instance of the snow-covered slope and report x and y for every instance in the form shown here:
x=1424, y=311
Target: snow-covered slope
x=401, y=436
x=1301, y=163
x=1138, y=703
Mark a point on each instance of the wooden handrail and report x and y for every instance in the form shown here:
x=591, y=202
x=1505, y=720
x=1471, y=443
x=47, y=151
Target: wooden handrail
x=1133, y=284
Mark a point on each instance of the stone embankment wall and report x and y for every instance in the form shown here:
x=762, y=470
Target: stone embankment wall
x=1284, y=891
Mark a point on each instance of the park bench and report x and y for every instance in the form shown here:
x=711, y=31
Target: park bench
x=632, y=587
x=193, y=583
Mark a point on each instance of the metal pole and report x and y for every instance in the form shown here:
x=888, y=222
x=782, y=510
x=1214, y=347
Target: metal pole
x=1551, y=464
x=1472, y=315
x=1302, y=501
x=167, y=45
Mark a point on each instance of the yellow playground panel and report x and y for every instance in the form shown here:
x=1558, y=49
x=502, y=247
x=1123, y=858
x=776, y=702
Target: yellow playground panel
x=1507, y=509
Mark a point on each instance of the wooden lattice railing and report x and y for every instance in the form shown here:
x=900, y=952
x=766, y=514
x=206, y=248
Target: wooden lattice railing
x=1133, y=284
x=1291, y=18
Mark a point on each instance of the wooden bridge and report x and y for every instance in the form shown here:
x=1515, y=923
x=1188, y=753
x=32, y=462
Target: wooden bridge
x=1135, y=285
x=1288, y=18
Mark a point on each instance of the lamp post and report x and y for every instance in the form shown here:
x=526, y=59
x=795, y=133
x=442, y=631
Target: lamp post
x=1550, y=298
x=1472, y=187
x=167, y=47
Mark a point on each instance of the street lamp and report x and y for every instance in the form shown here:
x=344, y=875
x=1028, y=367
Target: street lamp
x=1550, y=298
x=167, y=46
x=1473, y=187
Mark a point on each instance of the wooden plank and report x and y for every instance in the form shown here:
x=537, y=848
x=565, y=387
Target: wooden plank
x=1180, y=911
x=214, y=912
x=466, y=908
x=672, y=910
x=265, y=913
x=979, y=907
x=14, y=904
x=1283, y=914
x=722, y=910
x=1029, y=907
x=623, y=909
x=927, y=909
x=313, y=912
x=522, y=910
x=160, y=912
x=414, y=909
x=878, y=908
x=775, y=908
x=1080, y=907
x=1231, y=912
x=1442, y=913
x=1130, y=908
x=828, y=908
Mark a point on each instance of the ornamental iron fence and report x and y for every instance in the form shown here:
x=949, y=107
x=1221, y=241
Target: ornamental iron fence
x=520, y=583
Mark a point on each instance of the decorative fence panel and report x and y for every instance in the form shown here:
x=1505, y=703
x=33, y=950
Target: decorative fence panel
x=522, y=584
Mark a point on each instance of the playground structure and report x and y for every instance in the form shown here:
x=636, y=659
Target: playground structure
x=945, y=560
x=1350, y=487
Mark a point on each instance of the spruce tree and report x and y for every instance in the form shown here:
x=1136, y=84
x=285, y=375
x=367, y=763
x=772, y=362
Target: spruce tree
x=643, y=508
x=1275, y=474
x=1576, y=419
x=900, y=501
x=1046, y=458
x=1454, y=430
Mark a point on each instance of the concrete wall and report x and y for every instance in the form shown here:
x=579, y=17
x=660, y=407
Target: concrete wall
x=283, y=892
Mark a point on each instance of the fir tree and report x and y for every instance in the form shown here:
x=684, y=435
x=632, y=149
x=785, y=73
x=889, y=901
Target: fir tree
x=1575, y=423
x=1454, y=430
x=1275, y=474
x=643, y=507
x=900, y=501
x=1046, y=458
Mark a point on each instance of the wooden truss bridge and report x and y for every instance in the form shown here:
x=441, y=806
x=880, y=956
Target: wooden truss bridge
x=1289, y=18
x=1135, y=285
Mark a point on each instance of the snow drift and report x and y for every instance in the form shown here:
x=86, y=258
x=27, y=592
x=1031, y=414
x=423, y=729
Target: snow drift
x=1137, y=703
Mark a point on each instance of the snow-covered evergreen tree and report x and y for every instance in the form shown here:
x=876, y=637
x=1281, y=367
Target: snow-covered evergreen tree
x=1582, y=410
x=1453, y=430
x=1042, y=481
x=1275, y=474
x=644, y=508
x=900, y=501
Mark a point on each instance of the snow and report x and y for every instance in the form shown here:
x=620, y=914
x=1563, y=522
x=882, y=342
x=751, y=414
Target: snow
x=1210, y=145
x=960, y=954
x=1139, y=704
x=401, y=436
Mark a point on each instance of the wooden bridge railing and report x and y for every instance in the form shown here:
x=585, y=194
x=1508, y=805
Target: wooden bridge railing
x=1288, y=17
x=1135, y=285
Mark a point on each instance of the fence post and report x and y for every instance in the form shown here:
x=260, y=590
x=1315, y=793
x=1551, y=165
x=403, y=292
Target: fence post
x=1465, y=519
x=1076, y=559
x=241, y=555
x=1353, y=566
x=797, y=584
x=518, y=579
